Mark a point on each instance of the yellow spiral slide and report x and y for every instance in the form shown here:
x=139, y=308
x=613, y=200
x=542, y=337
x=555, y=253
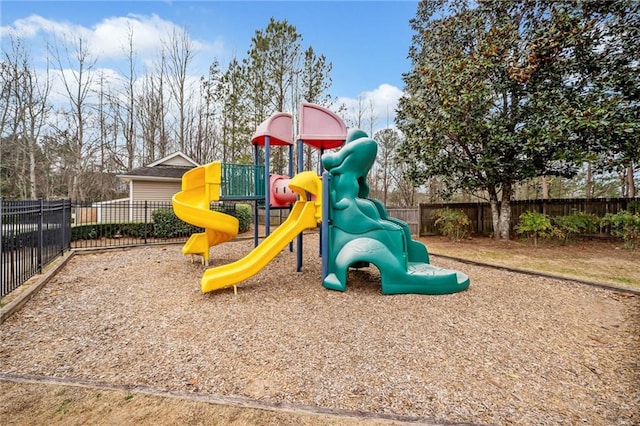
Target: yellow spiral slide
x=201, y=186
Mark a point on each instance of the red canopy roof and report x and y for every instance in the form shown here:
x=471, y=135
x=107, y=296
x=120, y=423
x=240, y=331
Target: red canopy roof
x=279, y=128
x=320, y=127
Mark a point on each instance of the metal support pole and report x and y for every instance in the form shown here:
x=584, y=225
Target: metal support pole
x=256, y=207
x=300, y=155
x=299, y=238
x=291, y=160
x=267, y=190
x=326, y=221
x=290, y=176
x=320, y=173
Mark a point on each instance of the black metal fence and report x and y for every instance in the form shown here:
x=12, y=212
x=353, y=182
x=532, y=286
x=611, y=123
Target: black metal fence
x=125, y=223
x=479, y=214
x=34, y=233
x=128, y=223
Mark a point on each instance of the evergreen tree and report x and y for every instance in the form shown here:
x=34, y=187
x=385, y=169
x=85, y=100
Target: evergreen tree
x=496, y=96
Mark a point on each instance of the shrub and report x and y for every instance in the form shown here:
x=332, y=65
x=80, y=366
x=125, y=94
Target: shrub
x=84, y=232
x=452, y=223
x=634, y=207
x=136, y=229
x=110, y=230
x=244, y=214
x=167, y=225
x=534, y=225
x=625, y=225
x=576, y=223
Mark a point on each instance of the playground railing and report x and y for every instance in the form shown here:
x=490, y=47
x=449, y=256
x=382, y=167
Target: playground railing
x=242, y=182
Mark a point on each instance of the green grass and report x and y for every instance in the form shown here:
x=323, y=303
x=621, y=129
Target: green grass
x=64, y=406
x=582, y=273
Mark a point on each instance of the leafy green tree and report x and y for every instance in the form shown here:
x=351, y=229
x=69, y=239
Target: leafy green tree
x=272, y=65
x=314, y=84
x=206, y=144
x=235, y=120
x=496, y=94
x=315, y=78
x=607, y=63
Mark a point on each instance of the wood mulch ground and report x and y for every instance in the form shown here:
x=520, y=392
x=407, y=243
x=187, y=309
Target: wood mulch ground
x=513, y=349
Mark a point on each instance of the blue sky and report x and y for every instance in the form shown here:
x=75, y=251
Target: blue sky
x=367, y=41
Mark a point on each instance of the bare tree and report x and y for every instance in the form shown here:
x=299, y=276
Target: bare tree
x=150, y=117
x=108, y=123
x=388, y=141
x=356, y=114
x=6, y=88
x=27, y=107
x=206, y=139
x=179, y=54
x=127, y=114
x=406, y=190
x=372, y=117
x=75, y=65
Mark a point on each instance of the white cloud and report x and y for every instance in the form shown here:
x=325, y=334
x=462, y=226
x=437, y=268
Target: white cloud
x=107, y=44
x=30, y=26
x=109, y=39
x=383, y=100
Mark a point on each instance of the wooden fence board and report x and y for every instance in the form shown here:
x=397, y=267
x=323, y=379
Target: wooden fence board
x=481, y=220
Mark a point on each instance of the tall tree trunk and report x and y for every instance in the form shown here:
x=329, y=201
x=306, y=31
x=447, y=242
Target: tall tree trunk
x=505, y=212
x=589, y=179
x=495, y=212
x=544, y=183
x=631, y=185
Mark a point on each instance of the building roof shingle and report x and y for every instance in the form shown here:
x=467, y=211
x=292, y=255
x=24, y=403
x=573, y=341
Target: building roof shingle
x=160, y=171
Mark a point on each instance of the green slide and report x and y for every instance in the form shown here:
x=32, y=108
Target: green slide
x=361, y=233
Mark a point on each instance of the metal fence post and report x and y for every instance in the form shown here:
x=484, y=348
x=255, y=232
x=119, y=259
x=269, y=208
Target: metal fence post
x=67, y=224
x=146, y=220
x=63, y=226
x=1, y=227
x=4, y=284
x=40, y=235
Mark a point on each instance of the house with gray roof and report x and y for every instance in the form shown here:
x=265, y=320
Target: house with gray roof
x=155, y=184
x=159, y=180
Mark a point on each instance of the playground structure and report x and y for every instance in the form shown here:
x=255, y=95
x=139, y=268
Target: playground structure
x=355, y=230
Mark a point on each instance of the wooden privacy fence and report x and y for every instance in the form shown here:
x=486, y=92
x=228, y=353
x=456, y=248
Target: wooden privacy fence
x=479, y=214
x=409, y=215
